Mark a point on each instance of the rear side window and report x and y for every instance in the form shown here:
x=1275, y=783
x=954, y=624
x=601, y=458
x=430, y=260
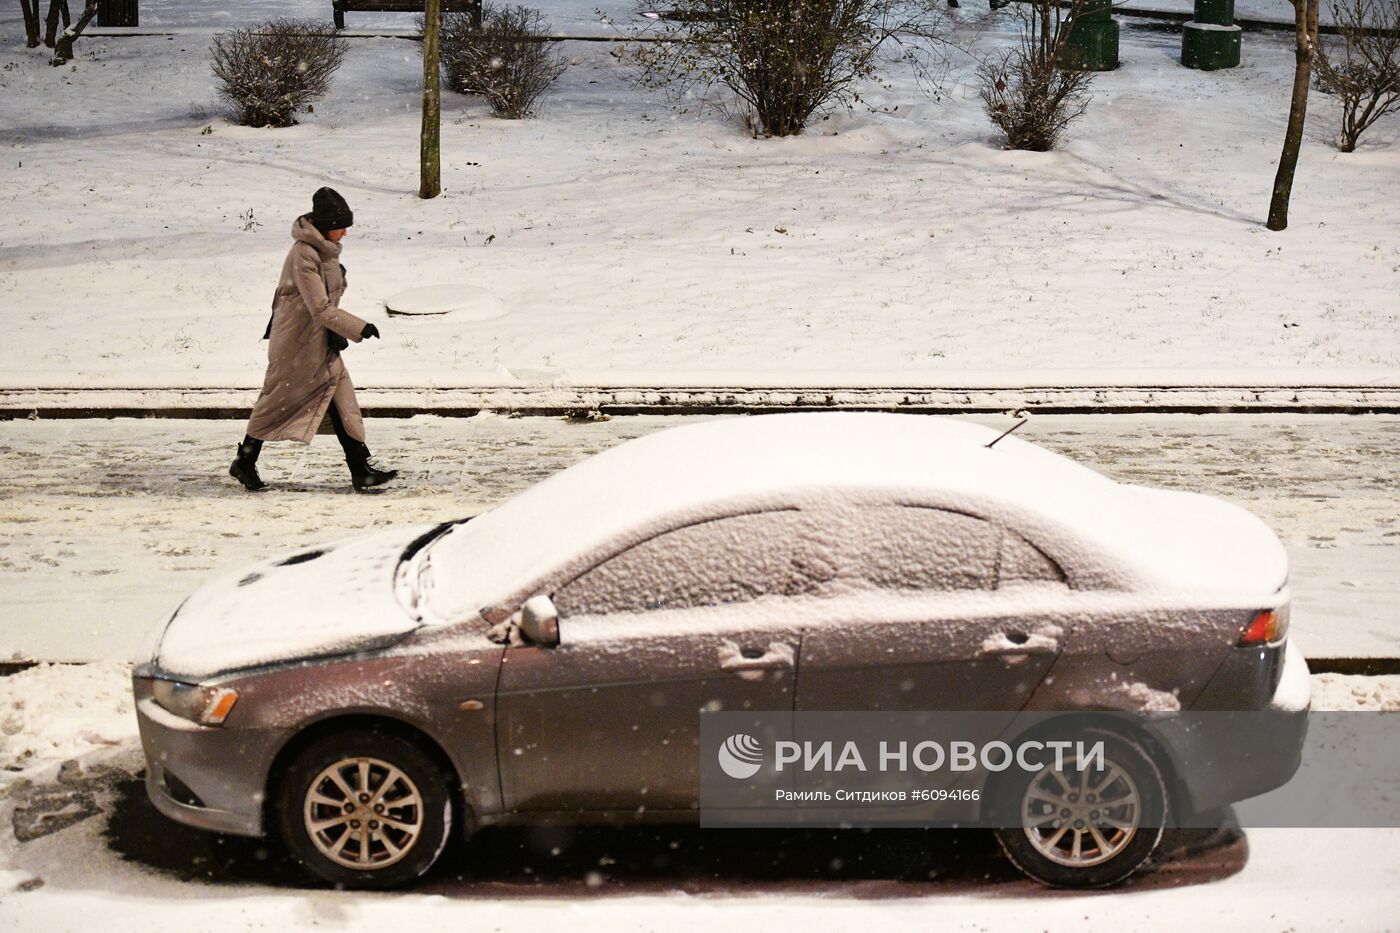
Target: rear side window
x=911, y=548
x=728, y=560
x=1023, y=562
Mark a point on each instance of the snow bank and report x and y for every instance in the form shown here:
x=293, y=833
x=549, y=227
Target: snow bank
x=58, y=711
x=1352, y=692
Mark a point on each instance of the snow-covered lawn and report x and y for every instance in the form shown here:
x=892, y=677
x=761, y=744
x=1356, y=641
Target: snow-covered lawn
x=120, y=866
x=630, y=243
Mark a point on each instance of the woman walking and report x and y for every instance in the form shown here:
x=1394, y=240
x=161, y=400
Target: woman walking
x=307, y=389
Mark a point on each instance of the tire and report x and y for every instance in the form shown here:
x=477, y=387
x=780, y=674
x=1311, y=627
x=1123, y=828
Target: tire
x=1114, y=841
x=365, y=847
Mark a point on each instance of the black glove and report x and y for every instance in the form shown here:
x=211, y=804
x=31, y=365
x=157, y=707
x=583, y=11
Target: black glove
x=369, y=331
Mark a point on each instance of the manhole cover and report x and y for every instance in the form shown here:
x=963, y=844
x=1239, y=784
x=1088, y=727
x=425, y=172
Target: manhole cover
x=461, y=301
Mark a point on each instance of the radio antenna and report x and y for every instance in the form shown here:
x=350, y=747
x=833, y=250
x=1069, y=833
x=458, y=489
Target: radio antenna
x=1019, y=413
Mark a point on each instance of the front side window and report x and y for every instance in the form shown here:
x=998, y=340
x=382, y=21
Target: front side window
x=714, y=563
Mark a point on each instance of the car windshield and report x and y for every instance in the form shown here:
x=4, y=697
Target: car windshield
x=415, y=564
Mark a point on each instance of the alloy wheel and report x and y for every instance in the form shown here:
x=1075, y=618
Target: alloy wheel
x=363, y=813
x=1081, y=817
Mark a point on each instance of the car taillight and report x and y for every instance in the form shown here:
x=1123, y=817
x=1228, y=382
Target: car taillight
x=1267, y=626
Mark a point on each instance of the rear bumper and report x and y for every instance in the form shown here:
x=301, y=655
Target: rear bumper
x=1220, y=758
x=208, y=778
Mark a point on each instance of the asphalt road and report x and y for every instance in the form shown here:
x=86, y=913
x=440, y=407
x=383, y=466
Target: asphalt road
x=107, y=524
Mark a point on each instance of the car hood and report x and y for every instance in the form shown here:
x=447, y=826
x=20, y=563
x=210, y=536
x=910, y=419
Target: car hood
x=327, y=600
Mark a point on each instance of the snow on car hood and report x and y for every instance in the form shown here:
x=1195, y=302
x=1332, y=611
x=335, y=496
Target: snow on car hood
x=319, y=601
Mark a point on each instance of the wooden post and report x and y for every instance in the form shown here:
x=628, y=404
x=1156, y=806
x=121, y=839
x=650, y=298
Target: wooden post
x=430, y=150
x=1305, y=37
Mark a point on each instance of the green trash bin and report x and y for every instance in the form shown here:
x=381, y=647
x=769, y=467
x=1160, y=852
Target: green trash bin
x=1093, y=37
x=1211, y=40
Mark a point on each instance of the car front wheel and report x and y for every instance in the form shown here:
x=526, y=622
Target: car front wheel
x=365, y=809
x=1085, y=827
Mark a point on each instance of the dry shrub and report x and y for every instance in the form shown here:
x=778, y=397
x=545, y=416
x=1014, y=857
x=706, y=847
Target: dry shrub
x=271, y=70
x=509, y=61
x=1029, y=92
x=787, y=59
x=1361, y=66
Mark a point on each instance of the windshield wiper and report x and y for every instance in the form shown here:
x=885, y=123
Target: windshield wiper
x=429, y=536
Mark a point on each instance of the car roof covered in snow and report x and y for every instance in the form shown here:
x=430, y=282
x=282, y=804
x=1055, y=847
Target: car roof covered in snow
x=1105, y=534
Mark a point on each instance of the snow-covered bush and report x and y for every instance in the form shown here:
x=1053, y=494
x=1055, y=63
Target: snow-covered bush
x=271, y=70
x=1361, y=66
x=1030, y=92
x=509, y=60
x=784, y=60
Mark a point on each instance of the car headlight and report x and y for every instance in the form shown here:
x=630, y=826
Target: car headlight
x=207, y=706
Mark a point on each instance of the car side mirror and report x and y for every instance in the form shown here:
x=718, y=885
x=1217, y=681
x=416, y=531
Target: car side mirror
x=539, y=622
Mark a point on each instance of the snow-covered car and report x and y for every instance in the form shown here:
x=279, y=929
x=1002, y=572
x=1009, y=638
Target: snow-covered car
x=549, y=660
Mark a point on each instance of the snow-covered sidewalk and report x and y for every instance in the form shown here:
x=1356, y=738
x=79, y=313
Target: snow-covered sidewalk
x=631, y=244
x=109, y=524
x=80, y=848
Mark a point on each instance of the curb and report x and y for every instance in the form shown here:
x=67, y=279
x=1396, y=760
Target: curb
x=1364, y=667
x=553, y=401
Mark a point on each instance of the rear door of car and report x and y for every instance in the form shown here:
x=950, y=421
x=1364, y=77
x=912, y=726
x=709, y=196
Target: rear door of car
x=933, y=634
x=945, y=625
x=690, y=620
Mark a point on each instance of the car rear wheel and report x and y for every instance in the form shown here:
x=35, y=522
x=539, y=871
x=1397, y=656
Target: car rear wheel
x=1084, y=827
x=365, y=809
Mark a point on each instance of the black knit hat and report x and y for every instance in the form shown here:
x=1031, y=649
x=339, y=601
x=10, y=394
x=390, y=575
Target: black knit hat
x=329, y=211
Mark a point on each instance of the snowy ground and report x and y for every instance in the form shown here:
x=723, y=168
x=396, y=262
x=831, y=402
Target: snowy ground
x=80, y=847
x=109, y=524
x=630, y=243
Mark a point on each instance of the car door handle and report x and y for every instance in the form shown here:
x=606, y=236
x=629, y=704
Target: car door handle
x=1017, y=643
x=733, y=661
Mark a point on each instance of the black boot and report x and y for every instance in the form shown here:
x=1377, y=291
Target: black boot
x=245, y=465
x=362, y=475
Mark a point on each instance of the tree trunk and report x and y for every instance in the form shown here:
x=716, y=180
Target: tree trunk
x=1305, y=34
x=63, y=50
x=430, y=153
x=57, y=8
x=31, y=22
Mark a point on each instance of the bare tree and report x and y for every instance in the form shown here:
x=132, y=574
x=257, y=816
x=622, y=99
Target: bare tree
x=30, y=8
x=1305, y=44
x=430, y=139
x=63, y=48
x=271, y=70
x=786, y=59
x=57, y=8
x=1032, y=92
x=1362, y=65
x=509, y=59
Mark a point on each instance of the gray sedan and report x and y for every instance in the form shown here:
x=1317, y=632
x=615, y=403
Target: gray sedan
x=550, y=660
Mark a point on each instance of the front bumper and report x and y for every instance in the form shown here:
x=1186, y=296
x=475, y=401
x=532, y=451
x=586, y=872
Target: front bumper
x=211, y=778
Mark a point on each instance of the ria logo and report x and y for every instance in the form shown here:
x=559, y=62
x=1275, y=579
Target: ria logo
x=741, y=756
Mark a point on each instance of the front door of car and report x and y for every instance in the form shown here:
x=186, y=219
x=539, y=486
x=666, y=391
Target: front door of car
x=687, y=621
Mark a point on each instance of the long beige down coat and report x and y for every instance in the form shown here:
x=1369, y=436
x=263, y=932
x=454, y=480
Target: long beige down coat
x=303, y=375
